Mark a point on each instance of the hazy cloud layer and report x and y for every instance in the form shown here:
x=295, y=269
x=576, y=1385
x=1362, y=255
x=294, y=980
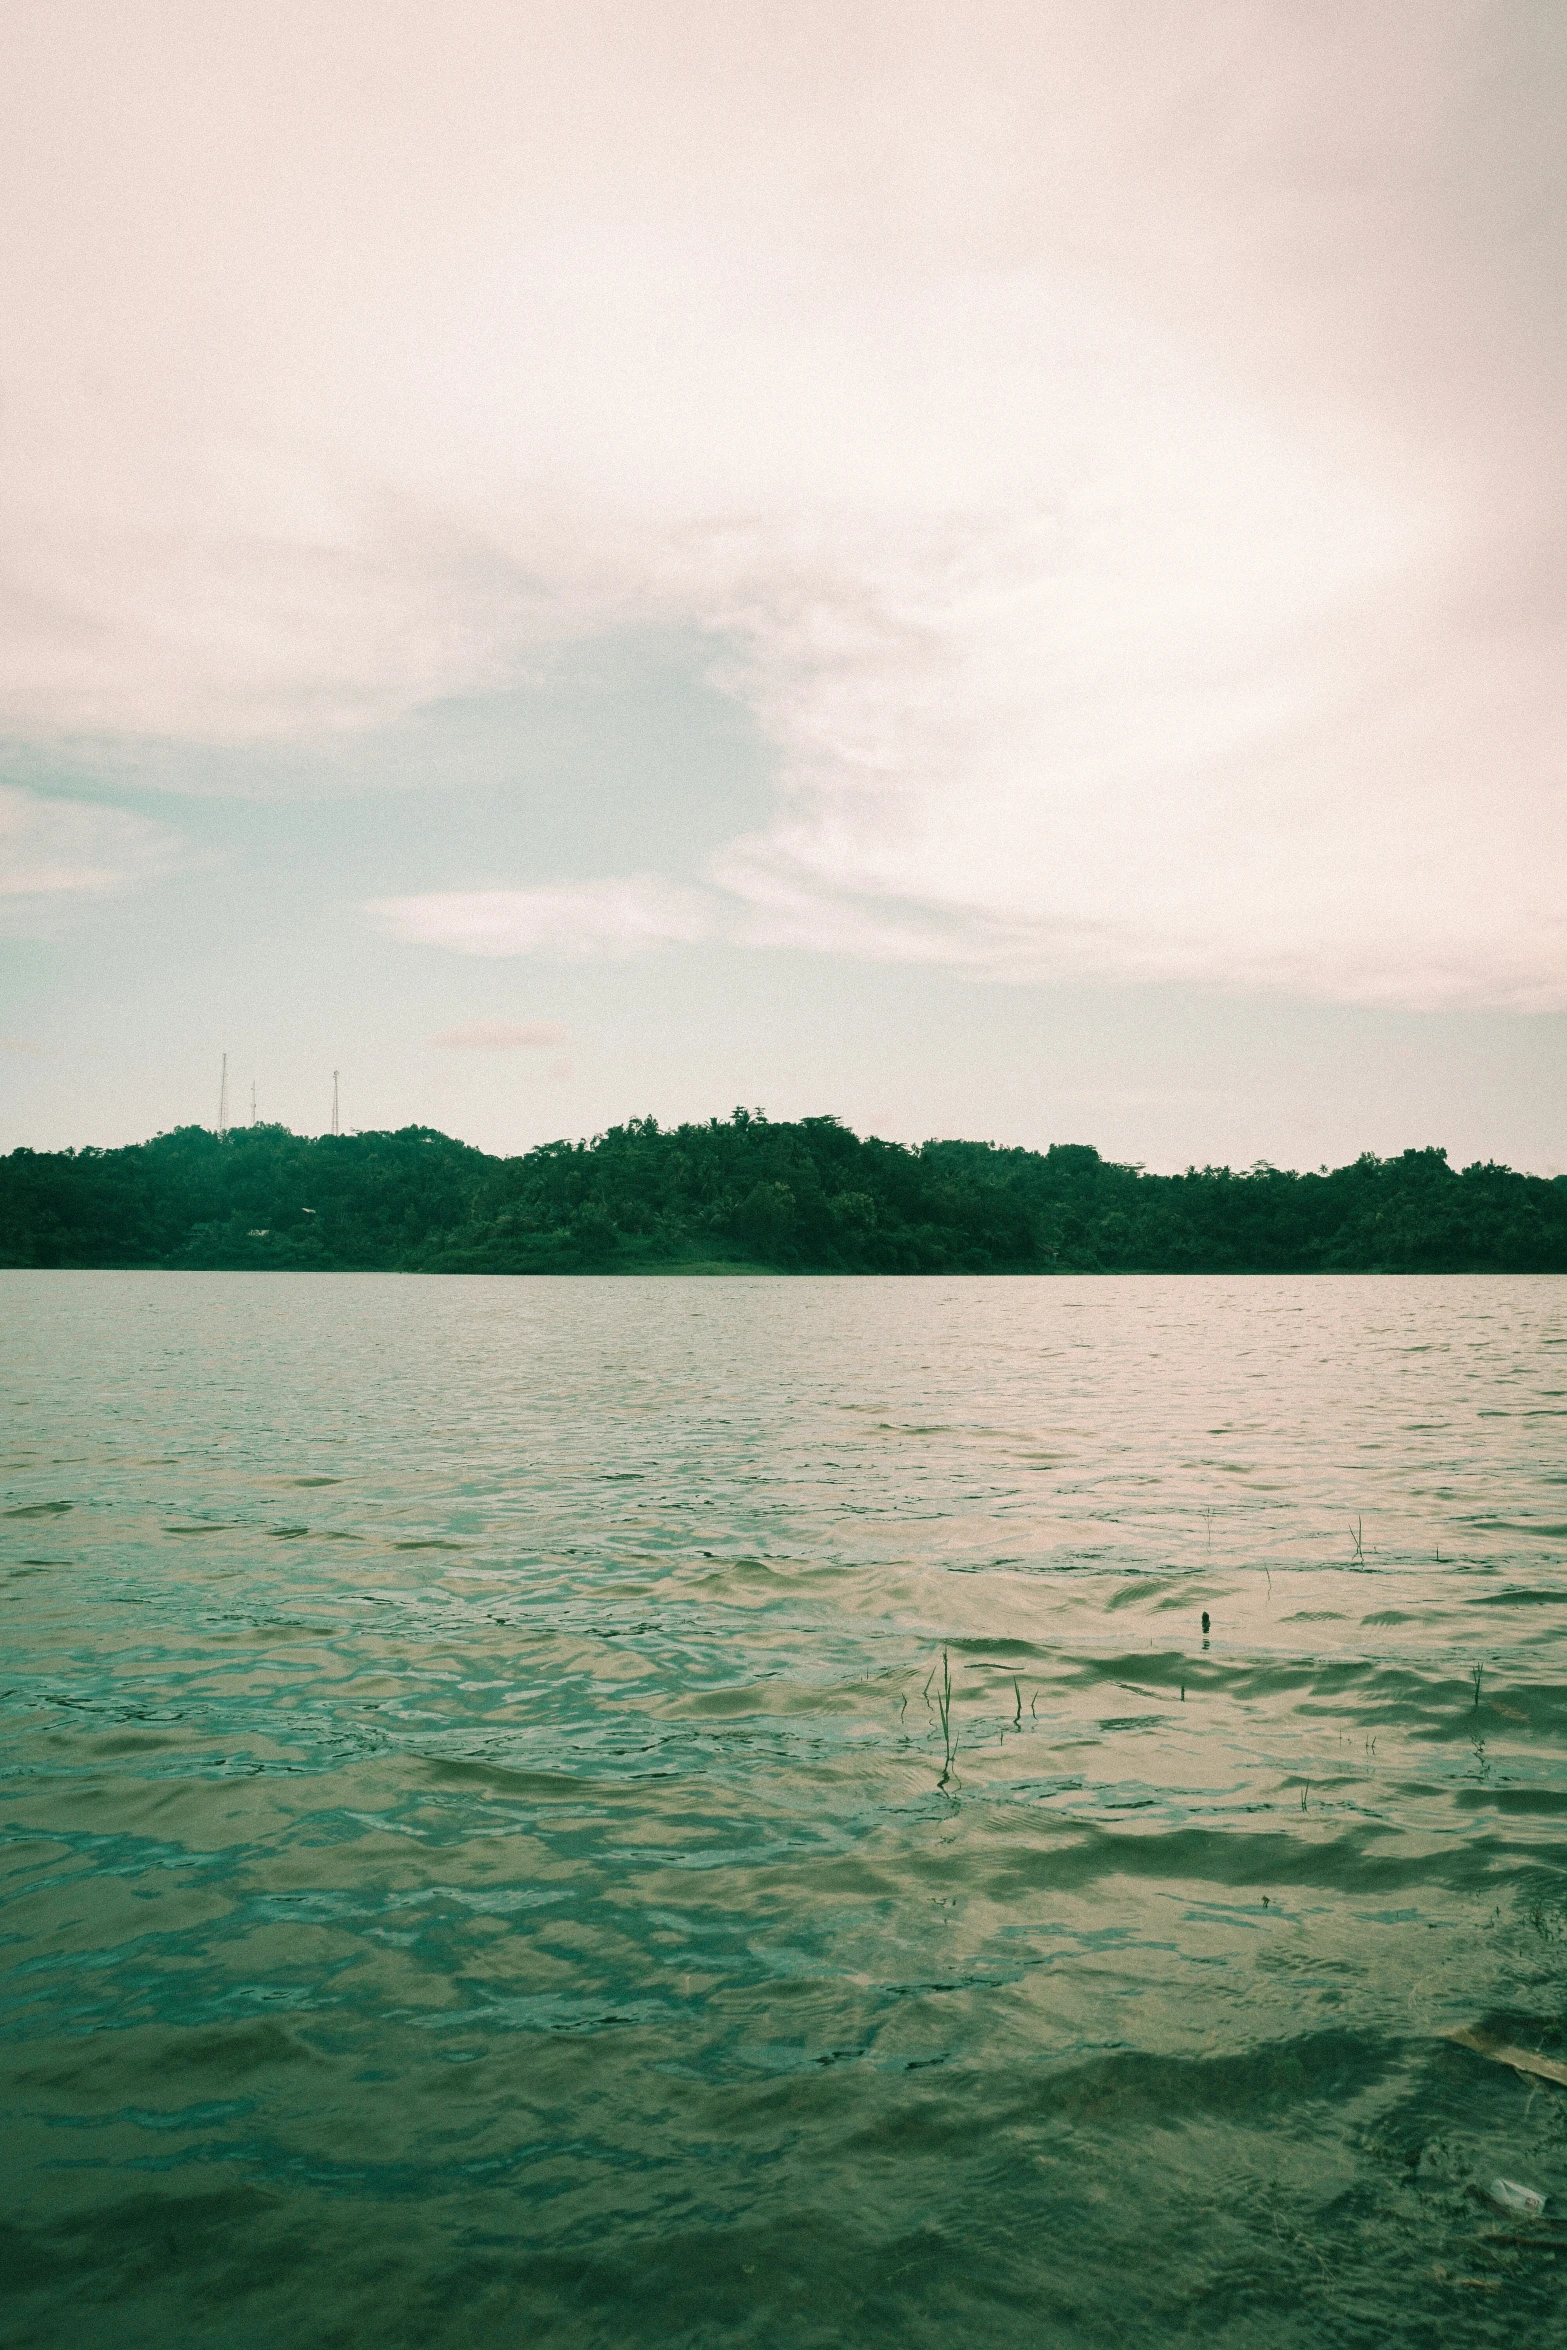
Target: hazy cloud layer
x=1121, y=447
x=502, y=1036
x=52, y=849
x=570, y=918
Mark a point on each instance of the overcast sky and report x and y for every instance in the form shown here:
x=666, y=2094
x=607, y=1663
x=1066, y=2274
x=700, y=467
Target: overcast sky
x=987, y=568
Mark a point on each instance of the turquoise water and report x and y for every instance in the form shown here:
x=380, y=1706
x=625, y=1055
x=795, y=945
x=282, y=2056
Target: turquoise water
x=490, y=1855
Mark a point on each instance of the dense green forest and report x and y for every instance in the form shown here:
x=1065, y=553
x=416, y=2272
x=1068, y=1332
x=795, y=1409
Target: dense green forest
x=806, y=1197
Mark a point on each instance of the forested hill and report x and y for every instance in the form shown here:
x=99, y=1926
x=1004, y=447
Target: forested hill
x=809, y=1197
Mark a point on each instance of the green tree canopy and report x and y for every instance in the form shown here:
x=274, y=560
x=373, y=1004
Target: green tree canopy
x=807, y=1196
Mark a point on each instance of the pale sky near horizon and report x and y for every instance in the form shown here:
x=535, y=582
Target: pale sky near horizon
x=988, y=568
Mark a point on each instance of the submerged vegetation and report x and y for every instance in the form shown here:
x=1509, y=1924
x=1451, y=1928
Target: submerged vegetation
x=804, y=1197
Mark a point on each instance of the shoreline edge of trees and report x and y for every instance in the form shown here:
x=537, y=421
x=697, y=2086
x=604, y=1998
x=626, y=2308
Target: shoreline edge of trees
x=807, y=1196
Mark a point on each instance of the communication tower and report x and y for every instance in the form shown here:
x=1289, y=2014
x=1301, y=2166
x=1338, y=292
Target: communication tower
x=253, y=1101
x=223, y=1100
x=336, y=1127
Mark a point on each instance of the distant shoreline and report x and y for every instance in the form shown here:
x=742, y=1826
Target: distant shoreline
x=745, y=1197
x=771, y=1273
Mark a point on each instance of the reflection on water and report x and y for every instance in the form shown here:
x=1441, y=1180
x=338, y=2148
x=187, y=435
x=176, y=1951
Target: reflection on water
x=703, y=1812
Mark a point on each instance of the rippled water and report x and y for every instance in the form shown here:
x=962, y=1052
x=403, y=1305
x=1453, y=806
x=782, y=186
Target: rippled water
x=489, y=1856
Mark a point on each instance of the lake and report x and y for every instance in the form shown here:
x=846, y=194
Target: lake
x=704, y=1812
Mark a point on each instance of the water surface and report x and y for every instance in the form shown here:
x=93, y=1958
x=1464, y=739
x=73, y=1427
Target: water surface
x=490, y=1855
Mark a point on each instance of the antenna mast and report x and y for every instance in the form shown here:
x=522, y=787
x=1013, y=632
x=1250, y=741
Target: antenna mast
x=336, y=1128
x=253, y=1101
x=223, y=1100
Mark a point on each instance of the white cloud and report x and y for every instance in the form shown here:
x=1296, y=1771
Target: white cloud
x=574, y=919
x=502, y=1036
x=1123, y=463
x=52, y=849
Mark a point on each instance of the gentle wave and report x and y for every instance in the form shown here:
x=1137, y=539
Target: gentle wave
x=705, y=1813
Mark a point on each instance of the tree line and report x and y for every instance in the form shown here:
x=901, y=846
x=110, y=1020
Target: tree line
x=807, y=1196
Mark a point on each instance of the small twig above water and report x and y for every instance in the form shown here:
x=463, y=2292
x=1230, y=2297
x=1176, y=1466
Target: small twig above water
x=944, y=1714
